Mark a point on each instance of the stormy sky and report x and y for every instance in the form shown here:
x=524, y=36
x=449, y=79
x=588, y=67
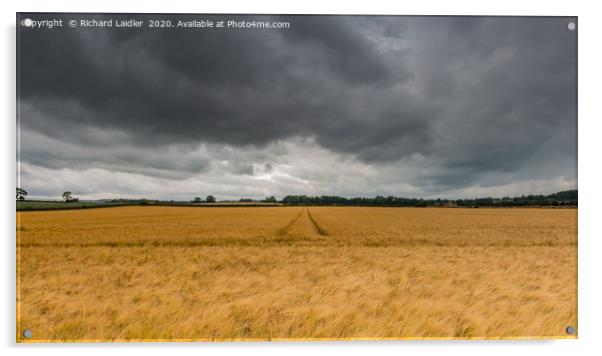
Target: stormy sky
x=352, y=106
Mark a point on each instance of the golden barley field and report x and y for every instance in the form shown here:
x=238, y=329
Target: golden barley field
x=271, y=273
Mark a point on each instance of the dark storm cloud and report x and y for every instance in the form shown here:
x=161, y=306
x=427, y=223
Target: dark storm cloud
x=231, y=86
x=468, y=96
x=512, y=92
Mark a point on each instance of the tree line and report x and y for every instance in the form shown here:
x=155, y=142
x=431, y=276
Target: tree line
x=564, y=198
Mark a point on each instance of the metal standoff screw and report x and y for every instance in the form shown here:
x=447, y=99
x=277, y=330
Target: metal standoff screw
x=570, y=330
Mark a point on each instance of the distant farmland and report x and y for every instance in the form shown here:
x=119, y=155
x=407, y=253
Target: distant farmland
x=31, y=205
x=182, y=273
x=49, y=205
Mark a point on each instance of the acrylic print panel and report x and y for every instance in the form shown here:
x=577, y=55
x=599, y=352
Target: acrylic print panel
x=247, y=177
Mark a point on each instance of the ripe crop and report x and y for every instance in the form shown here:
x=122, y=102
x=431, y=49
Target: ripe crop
x=209, y=273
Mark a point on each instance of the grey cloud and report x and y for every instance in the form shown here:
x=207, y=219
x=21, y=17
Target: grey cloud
x=234, y=87
x=171, y=162
x=475, y=97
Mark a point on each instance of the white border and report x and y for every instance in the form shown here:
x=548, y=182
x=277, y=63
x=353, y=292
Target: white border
x=590, y=179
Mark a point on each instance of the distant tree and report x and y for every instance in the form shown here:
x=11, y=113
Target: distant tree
x=210, y=199
x=197, y=200
x=21, y=193
x=69, y=198
x=271, y=199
